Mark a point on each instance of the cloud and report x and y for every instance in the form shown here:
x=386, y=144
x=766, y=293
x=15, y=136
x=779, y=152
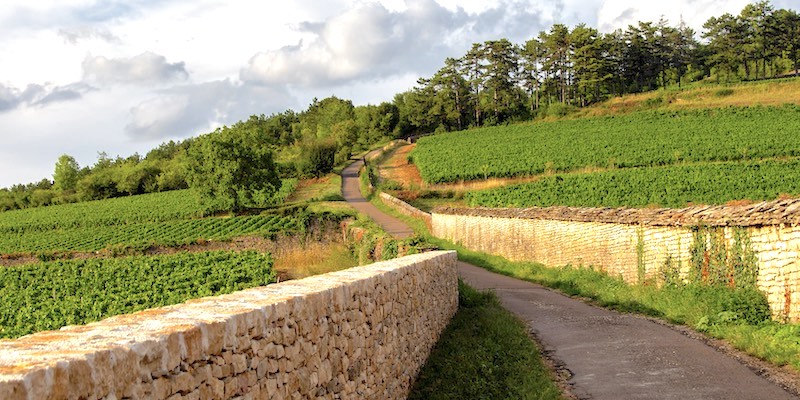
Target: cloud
x=40, y=95
x=78, y=33
x=192, y=109
x=369, y=41
x=147, y=68
x=618, y=14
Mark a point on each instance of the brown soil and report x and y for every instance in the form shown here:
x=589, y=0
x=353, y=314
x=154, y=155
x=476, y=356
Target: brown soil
x=397, y=168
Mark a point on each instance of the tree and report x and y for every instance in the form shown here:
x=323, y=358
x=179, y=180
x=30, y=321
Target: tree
x=318, y=158
x=556, y=64
x=725, y=36
x=66, y=173
x=230, y=173
x=589, y=63
x=530, y=71
x=785, y=26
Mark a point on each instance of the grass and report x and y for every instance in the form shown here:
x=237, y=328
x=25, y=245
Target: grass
x=701, y=96
x=314, y=258
x=484, y=353
x=740, y=318
x=326, y=188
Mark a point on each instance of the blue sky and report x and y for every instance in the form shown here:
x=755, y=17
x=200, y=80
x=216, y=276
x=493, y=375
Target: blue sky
x=84, y=76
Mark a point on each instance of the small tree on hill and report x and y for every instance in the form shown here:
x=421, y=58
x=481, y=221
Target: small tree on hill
x=66, y=174
x=230, y=172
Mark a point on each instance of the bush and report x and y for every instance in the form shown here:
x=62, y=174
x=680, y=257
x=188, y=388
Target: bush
x=750, y=305
x=317, y=158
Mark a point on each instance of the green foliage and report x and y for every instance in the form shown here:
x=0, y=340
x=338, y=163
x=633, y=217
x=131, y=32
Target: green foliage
x=739, y=315
x=699, y=136
x=50, y=295
x=154, y=219
x=717, y=262
x=230, y=171
x=487, y=352
x=66, y=173
x=671, y=186
x=640, y=260
x=670, y=272
x=317, y=158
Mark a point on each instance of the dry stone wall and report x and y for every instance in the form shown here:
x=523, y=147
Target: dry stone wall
x=406, y=209
x=361, y=333
x=637, y=244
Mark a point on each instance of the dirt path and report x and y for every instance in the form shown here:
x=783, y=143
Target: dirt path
x=606, y=355
x=352, y=194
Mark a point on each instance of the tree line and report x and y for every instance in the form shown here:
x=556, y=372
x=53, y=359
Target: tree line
x=233, y=166
x=495, y=82
x=498, y=81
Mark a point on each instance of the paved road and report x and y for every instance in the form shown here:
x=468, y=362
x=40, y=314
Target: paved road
x=622, y=356
x=610, y=355
x=352, y=194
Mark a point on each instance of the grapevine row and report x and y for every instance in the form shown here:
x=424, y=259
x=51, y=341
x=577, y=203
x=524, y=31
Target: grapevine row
x=671, y=186
x=643, y=139
x=47, y=296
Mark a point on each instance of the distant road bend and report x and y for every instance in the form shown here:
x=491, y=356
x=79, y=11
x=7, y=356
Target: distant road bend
x=609, y=355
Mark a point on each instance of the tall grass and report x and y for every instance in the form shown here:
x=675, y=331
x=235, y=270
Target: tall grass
x=484, y=353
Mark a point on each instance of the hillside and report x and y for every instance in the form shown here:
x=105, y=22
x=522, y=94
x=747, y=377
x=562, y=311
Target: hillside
x=706, y=144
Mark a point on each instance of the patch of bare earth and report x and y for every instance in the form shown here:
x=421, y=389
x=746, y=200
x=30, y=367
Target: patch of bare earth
x=397, y=169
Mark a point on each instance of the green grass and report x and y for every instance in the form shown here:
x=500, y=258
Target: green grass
x=671, y=186
x=739, y=317
x=484, y=353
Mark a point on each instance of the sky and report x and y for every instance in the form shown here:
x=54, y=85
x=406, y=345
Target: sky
x=80, y=77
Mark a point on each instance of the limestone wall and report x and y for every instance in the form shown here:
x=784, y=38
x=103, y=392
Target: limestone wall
x=639, y=244
x=361, y=333
x=405, y=208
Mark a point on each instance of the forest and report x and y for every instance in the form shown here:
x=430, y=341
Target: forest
x=495, y=82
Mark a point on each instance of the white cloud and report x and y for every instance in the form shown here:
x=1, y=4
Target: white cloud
x=78, y=33
x=147, y=68
x=618, y=14
x=188, y=110
x=82, y=76
x=370, y=41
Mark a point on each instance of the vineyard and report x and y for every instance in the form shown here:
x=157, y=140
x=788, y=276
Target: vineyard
x=167, y=233
x=671, y=186
x=50, y=295
x=644, y=139
x=165, y=219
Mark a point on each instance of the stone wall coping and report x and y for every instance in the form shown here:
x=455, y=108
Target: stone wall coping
x=198, y=327
x=767, y=213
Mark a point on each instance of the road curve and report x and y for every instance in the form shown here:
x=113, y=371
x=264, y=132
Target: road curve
x=609, y=355
x=352, y=194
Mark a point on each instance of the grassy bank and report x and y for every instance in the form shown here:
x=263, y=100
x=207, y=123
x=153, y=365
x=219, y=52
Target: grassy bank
x=739, y=317
x=484, y=353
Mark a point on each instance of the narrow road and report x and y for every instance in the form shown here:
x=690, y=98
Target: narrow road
x=609, y=355
x=352, y=194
